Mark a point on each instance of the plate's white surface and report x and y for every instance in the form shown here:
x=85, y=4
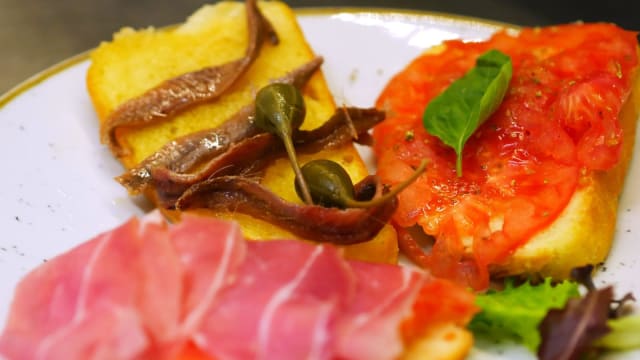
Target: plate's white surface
x=57, y=189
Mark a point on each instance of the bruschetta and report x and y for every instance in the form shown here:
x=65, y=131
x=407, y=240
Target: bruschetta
x=537, y=190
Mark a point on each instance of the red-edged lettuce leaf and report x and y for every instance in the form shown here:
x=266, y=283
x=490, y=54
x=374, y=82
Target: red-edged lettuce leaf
x=555, y=320
x=571, y=332
x=595, y=321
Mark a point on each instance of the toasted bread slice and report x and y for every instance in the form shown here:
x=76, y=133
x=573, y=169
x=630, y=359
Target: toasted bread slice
x=137, y=60
x=583, y=232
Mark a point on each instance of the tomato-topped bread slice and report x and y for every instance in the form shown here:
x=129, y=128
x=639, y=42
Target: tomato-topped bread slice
x=540, y=177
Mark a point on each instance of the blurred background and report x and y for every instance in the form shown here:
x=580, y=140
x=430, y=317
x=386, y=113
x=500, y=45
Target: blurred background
x=35, y=34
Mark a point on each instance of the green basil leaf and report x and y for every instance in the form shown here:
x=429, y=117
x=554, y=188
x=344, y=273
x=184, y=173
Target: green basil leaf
x=455, y=114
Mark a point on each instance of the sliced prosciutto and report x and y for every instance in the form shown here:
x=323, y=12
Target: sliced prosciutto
x=382, y=298
x=151, y=290
x=62, y=308
x=288, y=290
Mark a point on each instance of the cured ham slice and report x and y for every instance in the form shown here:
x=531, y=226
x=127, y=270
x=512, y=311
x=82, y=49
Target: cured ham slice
x=288, y=290
x=382, y=298
x=210, y=253
x=62, y=309
x=148, y=290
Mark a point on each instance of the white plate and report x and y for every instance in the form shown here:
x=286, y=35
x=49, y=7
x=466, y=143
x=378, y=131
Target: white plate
x=57, y=189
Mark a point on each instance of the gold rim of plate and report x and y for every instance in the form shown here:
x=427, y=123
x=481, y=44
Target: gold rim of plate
x=301, y=12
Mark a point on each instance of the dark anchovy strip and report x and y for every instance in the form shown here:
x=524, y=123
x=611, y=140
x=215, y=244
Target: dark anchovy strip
x=248, y=157
x=182, y=154
x=312, y=222
x=340, y=129
x=184, y=91
x=251, y=155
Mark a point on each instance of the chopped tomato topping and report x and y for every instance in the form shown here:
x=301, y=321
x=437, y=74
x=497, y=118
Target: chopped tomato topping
x=191, y=352
x=558, y=121
x=439, y=302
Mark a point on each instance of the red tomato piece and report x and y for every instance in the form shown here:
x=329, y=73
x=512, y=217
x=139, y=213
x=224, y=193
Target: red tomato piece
x=559, y=120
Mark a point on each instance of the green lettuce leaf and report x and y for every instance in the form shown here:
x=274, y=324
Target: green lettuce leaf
x=516, y=311
x=624, y=335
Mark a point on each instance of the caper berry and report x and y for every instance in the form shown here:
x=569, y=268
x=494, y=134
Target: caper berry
x=329, y=183
x=280, y=109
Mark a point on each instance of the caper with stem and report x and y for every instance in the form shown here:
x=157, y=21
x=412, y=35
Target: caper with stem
x=330, y=185
x=280, y=109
